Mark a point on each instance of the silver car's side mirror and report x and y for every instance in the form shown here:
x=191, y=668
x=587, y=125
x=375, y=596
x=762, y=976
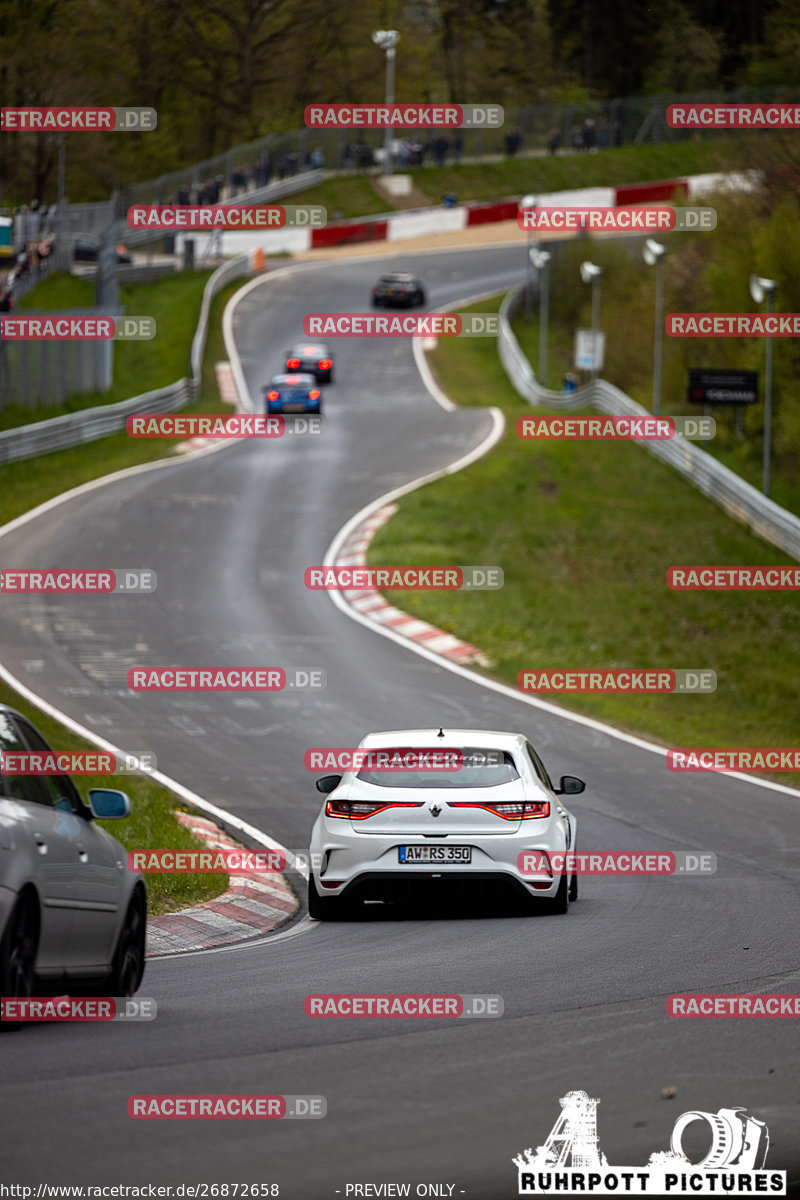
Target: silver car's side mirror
x=108, y=805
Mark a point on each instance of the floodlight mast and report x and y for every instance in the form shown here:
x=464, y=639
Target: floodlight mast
x=653, y=254
x=764, y=289
x=387, y=40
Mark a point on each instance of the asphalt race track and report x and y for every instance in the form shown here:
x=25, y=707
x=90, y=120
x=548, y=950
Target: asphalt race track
x=420, y=1101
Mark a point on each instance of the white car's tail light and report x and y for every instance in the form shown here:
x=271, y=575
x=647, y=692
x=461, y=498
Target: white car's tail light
x=509, y=810
x=358, y=810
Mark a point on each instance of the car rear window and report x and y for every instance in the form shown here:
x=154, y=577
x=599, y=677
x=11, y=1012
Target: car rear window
x=481, y=768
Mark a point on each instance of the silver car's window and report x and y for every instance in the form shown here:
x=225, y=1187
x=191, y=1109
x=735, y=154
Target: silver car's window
x=20, y=787
x=60, y=789
x=481, y=768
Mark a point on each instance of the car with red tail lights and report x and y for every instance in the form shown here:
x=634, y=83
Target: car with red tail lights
x=292, y=394
x=425, y=812
x=311, y=358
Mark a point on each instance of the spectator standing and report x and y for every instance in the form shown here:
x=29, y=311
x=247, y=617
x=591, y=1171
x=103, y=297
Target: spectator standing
x=513, y=141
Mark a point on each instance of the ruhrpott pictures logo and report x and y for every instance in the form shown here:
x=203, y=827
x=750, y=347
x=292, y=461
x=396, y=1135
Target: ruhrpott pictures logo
x=570, y=1161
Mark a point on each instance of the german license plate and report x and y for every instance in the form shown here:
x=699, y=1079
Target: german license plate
x=434, y=854
x=294, y=408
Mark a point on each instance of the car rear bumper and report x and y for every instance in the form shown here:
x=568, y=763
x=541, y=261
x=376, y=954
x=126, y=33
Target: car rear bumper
x=422, y=885
x=355, y=860
x=277, y=410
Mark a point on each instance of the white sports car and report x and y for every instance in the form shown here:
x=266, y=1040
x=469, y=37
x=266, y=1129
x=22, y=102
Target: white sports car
x=386, y=833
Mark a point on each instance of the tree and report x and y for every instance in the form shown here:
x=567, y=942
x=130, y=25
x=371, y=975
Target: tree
x=687, y=56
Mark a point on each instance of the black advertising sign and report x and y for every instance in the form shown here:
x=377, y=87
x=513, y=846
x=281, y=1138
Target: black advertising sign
x=723, y=387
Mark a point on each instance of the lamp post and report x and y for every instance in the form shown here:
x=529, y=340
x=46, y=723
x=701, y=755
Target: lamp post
x=653, y=254
x=760, y=289
x=387, y=39
x=526, y=203
x=540, y=259
x=591, y=273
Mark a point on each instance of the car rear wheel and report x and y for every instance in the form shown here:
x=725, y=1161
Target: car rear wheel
x=18, y=955
x=420, y=298
x=128, y=966
x=552, y=905
x=326, y=908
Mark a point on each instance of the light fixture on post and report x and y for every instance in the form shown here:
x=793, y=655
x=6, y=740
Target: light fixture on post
x=387, y=39
x=591, y=273
x=764, y=289
x=527, y=204
x=653, y=254
x=540, y=259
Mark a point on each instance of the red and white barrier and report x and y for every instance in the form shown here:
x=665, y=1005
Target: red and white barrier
x=400, y=226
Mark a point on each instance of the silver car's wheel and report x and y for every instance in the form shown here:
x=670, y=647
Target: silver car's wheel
x=128, y=966
x=18, y=955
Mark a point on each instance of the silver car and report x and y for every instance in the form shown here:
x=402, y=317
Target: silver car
x=72, y=915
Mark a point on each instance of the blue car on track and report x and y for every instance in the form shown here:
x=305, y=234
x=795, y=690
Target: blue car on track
x=293, y=394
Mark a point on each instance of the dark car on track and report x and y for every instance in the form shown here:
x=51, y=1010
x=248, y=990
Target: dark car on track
x=292, y=394
x=311, y=358
x=72, y=914
x=87, y=248
x=398, y=291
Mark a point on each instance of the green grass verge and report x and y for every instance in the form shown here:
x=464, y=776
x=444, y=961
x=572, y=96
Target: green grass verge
x=742, y=456
x=345, y=196
x=607, y=168
x=704, y=273
x=584, y=533
x=355, y=195
x=31, y=482
x=174, y=301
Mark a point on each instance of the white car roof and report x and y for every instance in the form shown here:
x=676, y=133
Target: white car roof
x=428, y=738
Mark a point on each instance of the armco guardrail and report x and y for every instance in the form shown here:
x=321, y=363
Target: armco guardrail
x=727, y=489
x=74, y=429
x=263, y=195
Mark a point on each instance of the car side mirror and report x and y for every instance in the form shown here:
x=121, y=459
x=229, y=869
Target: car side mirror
x=108, y=805
x=328, y=783
x=569, y=785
